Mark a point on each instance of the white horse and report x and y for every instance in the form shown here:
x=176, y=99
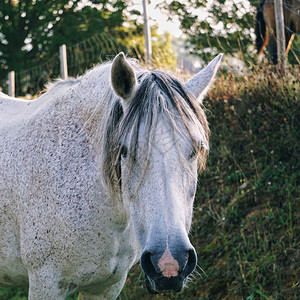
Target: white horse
x=96, y=173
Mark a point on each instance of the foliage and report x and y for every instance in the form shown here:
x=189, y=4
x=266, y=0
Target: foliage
x=94, y=31
x=32, y=31
x=247, y=217
x=132, y=41
x=246, y=226
x=215, y=26
x=164, y=56
x=224, y=26
x=13, y=294
x=97, y=49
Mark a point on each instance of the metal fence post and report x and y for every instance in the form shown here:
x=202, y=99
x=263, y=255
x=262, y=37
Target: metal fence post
x=11, y=83
x=63, y=61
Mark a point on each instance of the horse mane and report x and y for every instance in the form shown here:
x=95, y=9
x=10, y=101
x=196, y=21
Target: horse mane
x=159, y=96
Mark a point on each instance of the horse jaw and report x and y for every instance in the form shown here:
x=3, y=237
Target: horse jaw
x=201, y=82
x=123, y=78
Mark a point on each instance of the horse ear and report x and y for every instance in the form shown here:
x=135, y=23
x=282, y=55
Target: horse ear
x=123, y=77
x=201, y=82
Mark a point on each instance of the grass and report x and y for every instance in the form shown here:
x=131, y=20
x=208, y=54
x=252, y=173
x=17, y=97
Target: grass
x=246, y=220
x=247, y=206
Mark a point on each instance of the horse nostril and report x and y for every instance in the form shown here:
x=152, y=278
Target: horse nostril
x=147, y=265
x=191, y=263
x=153, y=268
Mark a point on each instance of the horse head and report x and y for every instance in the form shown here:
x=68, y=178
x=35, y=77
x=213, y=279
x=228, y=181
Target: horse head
x=162, y=142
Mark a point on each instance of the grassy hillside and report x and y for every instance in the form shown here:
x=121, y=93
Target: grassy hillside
x=246, y=226
x=247, y=211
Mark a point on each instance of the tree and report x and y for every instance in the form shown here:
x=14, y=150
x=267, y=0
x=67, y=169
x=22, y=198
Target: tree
x=32, y=30
x=226, y=26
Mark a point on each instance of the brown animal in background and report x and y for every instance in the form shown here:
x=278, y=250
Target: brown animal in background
x=265, y=27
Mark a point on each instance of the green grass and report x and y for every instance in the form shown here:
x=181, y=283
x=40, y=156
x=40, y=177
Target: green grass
x=246, y=225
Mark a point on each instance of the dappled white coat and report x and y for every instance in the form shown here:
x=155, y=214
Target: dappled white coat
x=61, y=228
x=54, y=208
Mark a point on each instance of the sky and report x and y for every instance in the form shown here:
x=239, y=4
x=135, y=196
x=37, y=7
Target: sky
x=156, y=17
x=162, y=19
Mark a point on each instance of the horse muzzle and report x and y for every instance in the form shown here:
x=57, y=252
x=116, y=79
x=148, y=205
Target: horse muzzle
x=167, y=273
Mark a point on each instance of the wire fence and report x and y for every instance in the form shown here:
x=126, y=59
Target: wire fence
x=97, y=49
x=33, y=80
x=104, y=46
x=80, y=57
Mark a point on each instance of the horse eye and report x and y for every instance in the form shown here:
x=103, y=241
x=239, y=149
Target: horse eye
x=123, y=151
x=196, y=149
x=193, y=153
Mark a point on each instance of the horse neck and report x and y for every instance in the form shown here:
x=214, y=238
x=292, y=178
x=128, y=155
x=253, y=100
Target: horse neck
x=90, y=99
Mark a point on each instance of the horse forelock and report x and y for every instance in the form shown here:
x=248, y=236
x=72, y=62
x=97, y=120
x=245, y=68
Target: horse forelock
x=159, y=97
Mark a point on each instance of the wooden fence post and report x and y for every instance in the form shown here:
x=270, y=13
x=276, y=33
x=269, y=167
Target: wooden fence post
x=280, y=38
x=147, y=34
x=11, y=83
x=63, y=62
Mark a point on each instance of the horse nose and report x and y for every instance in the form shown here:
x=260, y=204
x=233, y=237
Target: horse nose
x=191, y=262
x=167, y=272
